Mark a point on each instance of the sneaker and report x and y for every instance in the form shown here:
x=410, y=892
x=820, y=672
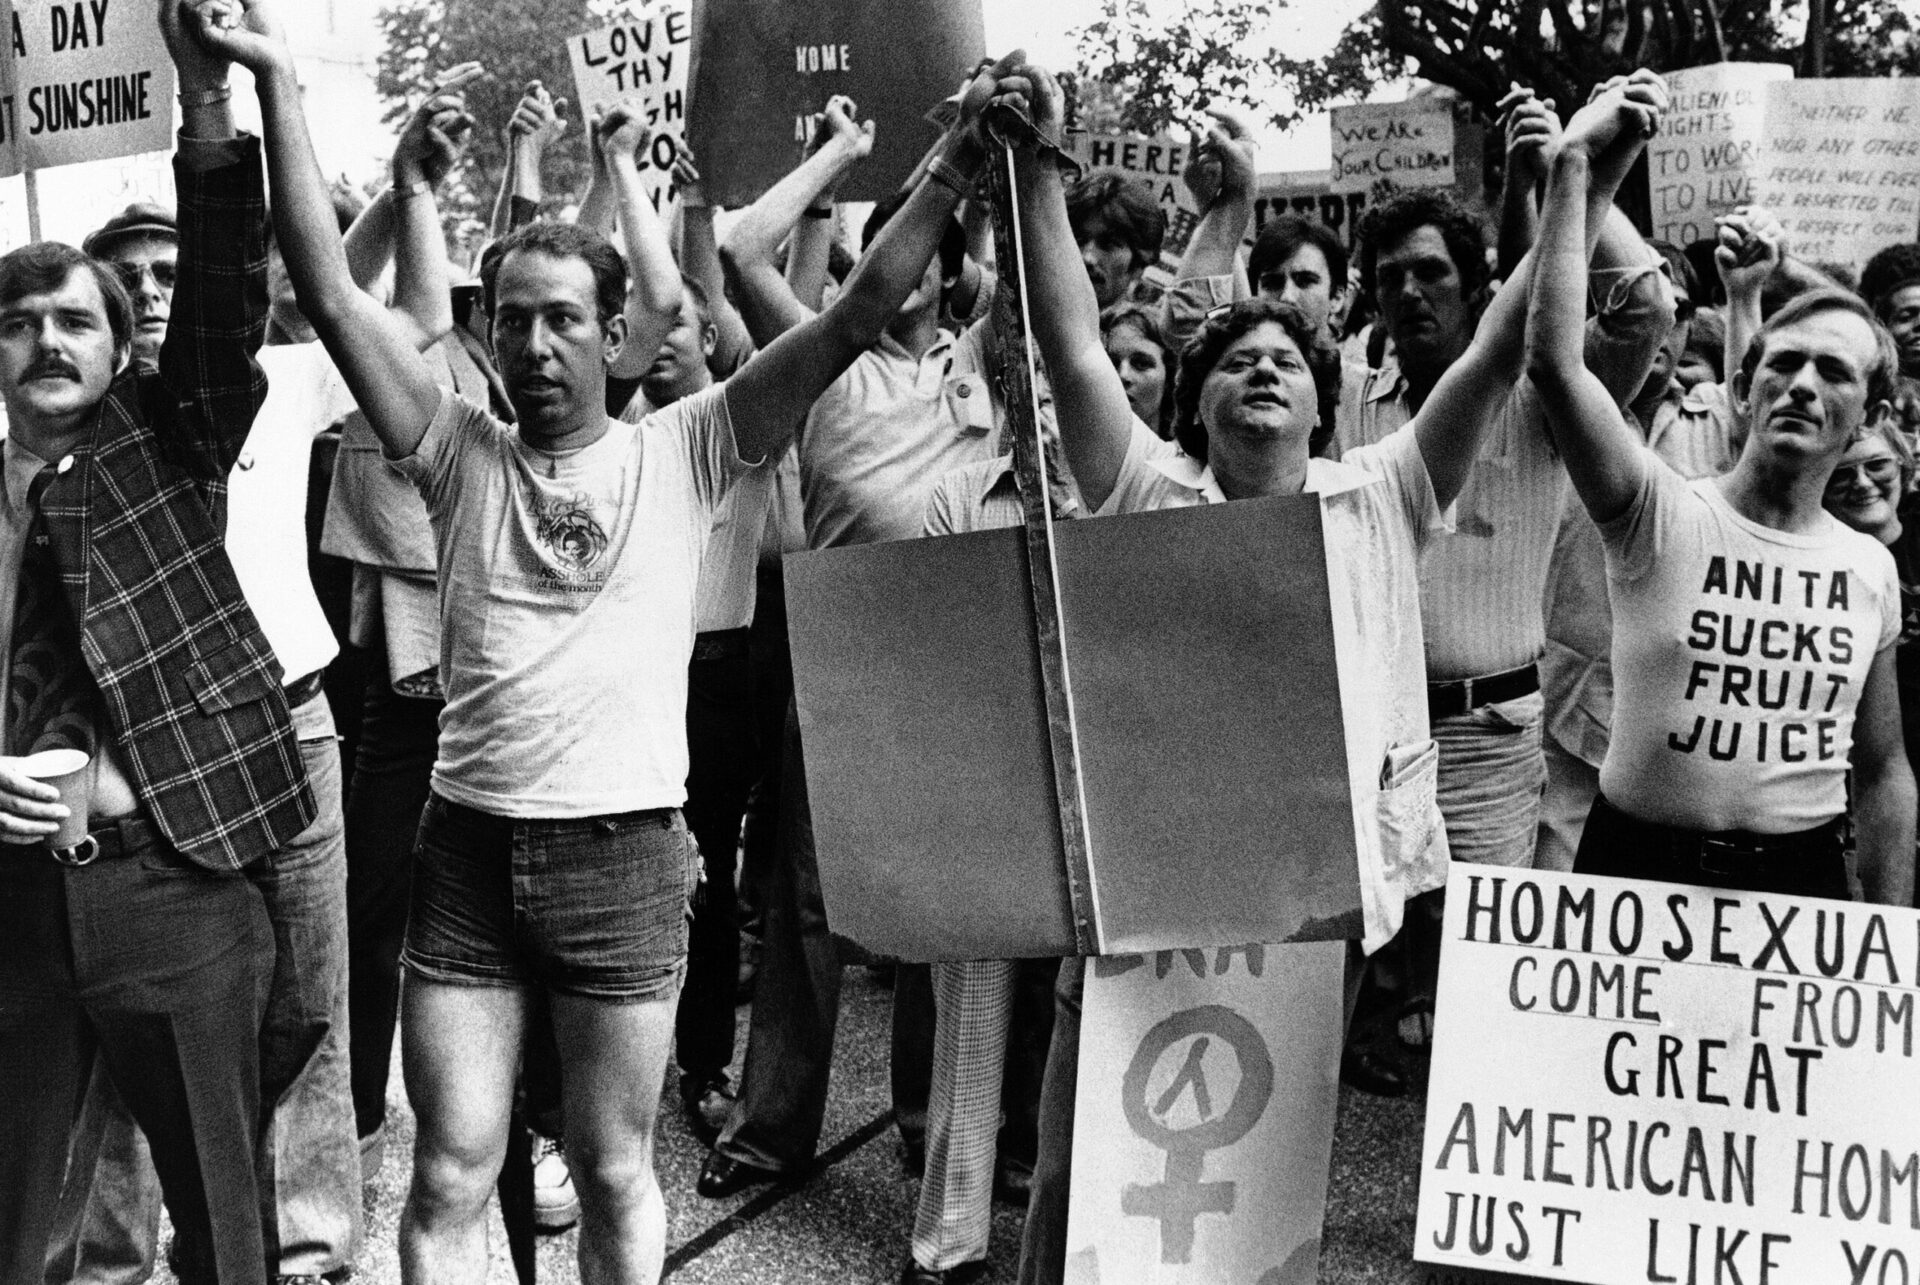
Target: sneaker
x=555, y=1206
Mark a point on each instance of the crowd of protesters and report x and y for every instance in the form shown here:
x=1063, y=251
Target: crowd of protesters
x=1576, y=487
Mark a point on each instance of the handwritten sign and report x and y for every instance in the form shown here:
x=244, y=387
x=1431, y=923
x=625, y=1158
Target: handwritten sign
x=1641, y=1083
x=766, y=68
x=1702, y=162
x=1411, y=143
x=90, y=80
x=645, y=58
x=1203, y=1127
x=1841, y=165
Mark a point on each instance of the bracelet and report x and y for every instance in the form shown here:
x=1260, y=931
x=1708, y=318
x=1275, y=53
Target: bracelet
x=945, y=173
x=819, y=211
x=205, y=97
x=419, y=187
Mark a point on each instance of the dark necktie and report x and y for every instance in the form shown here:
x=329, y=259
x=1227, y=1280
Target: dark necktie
x=51, y=697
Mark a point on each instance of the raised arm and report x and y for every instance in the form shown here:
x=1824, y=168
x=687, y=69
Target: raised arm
x=653, y=279
x=1222, y=175
x=388, y=378
x=748, y=255
x=538, y=119
x=1602, y=454
x=700, y=260
x=1089, y=401
x=426, y=152
x=1752, y=245
x=219, y=311
x=768, y=397
x=1533, y=136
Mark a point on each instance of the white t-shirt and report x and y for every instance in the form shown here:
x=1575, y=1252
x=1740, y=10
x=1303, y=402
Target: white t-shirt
x=267, y=504
x=1379, y=512
x=566, y=605
x=1739, y=653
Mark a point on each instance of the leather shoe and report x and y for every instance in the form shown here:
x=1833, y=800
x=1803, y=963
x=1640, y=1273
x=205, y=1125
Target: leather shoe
x=959, y=1274
x=1371, y=1071
x=722, y=1176
x=708, y=1103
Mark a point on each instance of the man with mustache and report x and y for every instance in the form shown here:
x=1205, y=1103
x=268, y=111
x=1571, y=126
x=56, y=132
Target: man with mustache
x=139, y=948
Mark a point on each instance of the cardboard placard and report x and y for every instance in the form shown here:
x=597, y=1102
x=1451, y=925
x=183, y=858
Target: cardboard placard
x=1203, y=1118
x=90, y=80
x=1211, y=740
x=765, y=69
x=1841, y=165
x=646, y=58
x=1702, y=162
x=1637, y=1082
x=1411, y=143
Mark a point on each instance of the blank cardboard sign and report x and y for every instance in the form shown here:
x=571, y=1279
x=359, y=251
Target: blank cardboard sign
x=1200, y=648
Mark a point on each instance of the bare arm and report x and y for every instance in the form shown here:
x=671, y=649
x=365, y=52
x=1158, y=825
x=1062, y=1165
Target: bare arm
x=391, y=382
x=1533, y=136
x=768, y=397
x=766, y=303
x=653, y=279
x=1752, y=247
x=700, y=260
x=1884, y=797
x=1222, y=175
x=422, y=303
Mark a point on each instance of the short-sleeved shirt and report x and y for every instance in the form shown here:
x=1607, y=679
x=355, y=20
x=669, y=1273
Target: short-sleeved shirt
x=1378, y=510
x=884, y=432
x=566, y=605
x=1739, y=654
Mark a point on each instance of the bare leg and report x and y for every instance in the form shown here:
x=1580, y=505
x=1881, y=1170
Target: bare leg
x=460, y=1050
x=613, y=1059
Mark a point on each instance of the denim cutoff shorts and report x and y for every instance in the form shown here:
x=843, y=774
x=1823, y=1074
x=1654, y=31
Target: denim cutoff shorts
x=595, y=907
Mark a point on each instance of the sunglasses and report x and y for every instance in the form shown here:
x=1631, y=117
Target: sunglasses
x=131, y=273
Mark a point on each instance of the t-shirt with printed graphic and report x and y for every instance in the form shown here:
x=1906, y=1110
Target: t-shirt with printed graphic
x=566, y=605
x=1739, y=654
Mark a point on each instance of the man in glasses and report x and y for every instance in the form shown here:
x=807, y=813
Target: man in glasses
x=141, y=245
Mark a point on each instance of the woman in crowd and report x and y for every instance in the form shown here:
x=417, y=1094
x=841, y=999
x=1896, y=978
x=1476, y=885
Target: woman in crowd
x=1137, y=347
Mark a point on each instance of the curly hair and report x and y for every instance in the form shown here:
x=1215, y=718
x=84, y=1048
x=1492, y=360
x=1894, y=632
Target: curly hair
x=1126, y=207
x=1147, y=322
x=1406, y=212
x=1218, y=332
x=1888, y=270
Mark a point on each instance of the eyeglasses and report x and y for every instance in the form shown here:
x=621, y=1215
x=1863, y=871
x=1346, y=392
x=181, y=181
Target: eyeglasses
x=131, y=273
x=1879, y=472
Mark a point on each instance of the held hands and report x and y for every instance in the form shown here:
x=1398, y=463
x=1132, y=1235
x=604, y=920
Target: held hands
x=204, y=37
x=1222, y=166
x=1616, y=123
x=621, y=131
x=437, y=133
x=1533, y=135
x=836, y=124
x=539, y=119
x=1752, y=243
x=30, y=810
x=1032, y=92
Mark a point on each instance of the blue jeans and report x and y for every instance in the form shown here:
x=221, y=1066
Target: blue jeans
x=308, y=1159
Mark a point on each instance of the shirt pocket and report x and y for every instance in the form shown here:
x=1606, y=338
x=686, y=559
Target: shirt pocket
x=1409, y=812
x=229, y=678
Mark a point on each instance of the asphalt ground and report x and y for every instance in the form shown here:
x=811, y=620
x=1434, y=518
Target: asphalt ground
x=849, y=1222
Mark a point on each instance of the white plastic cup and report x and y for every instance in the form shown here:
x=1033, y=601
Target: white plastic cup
x=65, y=771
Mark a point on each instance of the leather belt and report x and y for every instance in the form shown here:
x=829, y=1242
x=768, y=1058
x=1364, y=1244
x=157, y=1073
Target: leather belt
x=1458, y=695
x=1741, y=853
x=305, y=688
x=719, y=644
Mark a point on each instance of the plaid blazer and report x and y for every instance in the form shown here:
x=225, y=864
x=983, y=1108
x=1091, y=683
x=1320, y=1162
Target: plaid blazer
x=192, y=690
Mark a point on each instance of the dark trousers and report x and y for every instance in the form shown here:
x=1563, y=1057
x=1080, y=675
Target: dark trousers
x=1043, y=1242
x=1811, y=864
x=722, y=763
x=154, y=967
x=391, y=777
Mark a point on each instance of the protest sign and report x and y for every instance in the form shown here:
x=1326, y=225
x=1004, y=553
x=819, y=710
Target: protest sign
x=91, y=80
x=1641, y=1082
x=1702, y=162
x=1308, y=193
x=1157, y=164
x=1841, y=165
x=1203, y=1117
x=1411, y=143
x=645, y=58
x=1217, y=813
x=764, y=70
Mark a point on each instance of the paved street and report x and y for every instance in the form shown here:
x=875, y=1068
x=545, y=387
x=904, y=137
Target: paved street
x=848, y=1223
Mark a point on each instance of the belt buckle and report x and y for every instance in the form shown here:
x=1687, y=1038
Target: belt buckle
x=1737, y=858
x=83, y=853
